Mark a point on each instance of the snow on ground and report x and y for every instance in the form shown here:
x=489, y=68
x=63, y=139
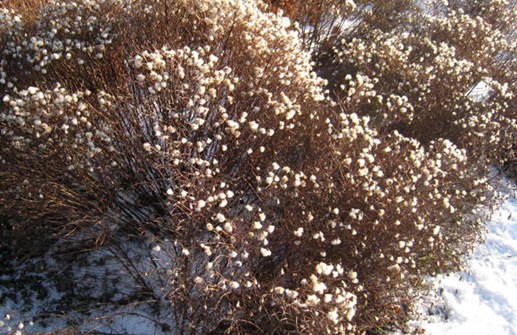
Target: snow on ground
x=106, y=297
x=483, y=299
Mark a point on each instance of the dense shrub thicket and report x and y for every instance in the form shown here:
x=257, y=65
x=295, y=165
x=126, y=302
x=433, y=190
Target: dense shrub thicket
x=417, y=68
x=274, y=201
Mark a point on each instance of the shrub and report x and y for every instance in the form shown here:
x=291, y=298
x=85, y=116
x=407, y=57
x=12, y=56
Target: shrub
x=417, y=69
x=198, y=133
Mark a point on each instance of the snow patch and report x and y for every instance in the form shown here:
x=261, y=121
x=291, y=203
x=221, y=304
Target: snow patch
x=483, y=299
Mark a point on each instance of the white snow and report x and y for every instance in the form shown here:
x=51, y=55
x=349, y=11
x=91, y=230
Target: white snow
x=483, y=299
x=99, y=274
x=480, y=91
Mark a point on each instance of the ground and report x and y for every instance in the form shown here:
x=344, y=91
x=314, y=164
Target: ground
x=482, y=300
